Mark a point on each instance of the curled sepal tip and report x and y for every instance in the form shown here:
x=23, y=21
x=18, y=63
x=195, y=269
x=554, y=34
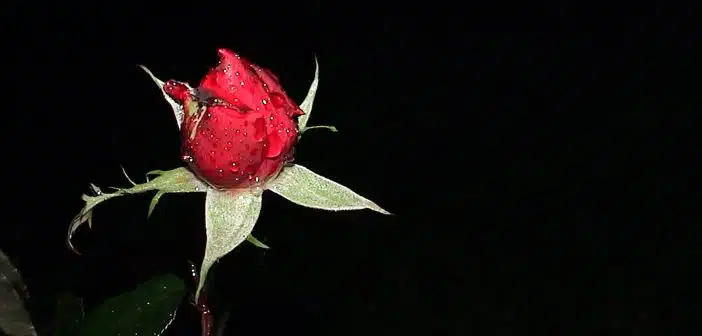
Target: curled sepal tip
x=304, y=187
x=327, y=127
x=179, y=180
x=229, y=220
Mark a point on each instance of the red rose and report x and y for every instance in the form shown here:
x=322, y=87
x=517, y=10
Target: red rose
x=243, y=127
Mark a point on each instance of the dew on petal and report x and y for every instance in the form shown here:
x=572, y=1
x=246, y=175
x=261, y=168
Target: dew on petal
x=187, y=158
x=260, y=129
x=234, y=167
x=176, y=90
x=275, y=146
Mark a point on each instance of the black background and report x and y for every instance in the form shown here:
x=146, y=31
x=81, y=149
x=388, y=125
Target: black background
x=538, y=159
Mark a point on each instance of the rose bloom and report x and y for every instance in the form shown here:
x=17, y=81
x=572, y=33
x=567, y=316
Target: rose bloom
x=239, y=126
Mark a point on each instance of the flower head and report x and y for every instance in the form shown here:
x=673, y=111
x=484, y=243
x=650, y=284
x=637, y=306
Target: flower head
x=238, y=129
x=239, y=126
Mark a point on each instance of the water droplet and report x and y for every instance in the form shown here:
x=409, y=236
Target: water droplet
x=236, y=73
x=237, y=132
x=220, y=172
x=260, y=129
x=234, y=167
x=241, y=83
x=250, y=177
x=257, y=179
x=275, y=146
x=212, y=153
x=270, y=118
x=187, y=158
x=245, y=134
x=264, y=102
x=229, y=143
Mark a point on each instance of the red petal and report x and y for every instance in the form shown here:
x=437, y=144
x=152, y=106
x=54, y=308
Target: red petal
x=176, y=90
x=234, y=81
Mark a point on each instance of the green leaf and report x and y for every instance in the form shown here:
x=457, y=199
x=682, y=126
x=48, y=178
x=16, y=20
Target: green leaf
x=179, y=180
x=154, y=201
x=147, y=310
x=229, y=220
x=309, y=99
x=178, y=110
x=302, y=186
x=256, y=242
x=69, y=314
x=14, y=317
